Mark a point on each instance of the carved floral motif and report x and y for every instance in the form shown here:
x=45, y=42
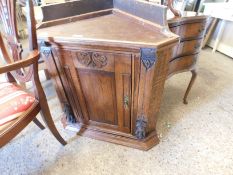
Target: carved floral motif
x=95, y=60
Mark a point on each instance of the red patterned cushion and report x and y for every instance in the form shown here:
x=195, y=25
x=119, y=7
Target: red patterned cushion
x=13, y=102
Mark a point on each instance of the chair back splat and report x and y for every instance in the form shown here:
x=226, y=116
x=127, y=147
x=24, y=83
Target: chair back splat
x=18, y=107
x=8, y=18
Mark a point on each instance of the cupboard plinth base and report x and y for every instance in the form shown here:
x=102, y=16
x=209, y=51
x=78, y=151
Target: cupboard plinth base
x=150, y=141
x=144, y=144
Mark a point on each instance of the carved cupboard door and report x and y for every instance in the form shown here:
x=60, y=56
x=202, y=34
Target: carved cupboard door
x=99, y=86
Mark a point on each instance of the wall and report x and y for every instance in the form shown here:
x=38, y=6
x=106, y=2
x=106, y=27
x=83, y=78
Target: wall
x=226, y=43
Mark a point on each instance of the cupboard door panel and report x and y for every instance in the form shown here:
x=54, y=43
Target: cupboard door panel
x=126, y=96
x=123, y=90
x=98, y=88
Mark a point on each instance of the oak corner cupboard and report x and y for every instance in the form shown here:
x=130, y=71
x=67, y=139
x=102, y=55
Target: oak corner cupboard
x=109, y=65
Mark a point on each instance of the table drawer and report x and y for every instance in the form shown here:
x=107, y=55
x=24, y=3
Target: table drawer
x=189, y=31
x=182, y=64
x=186, y=48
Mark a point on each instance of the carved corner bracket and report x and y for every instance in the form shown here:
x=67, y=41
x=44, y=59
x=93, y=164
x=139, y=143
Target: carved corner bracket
x=94, y=60
x=69, y=114
x=141, y=124
x=45, y=49
x=148, y=57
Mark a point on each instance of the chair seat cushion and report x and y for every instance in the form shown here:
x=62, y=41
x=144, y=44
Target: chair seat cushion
x=13, y=102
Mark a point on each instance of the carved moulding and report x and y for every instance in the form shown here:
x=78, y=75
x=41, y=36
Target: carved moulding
x=94, y=60
x=141, y=124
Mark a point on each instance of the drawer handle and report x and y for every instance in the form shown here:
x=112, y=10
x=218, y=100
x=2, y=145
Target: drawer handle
x=126, y=101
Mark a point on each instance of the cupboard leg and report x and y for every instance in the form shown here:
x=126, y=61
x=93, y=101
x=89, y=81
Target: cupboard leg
x=194, y=75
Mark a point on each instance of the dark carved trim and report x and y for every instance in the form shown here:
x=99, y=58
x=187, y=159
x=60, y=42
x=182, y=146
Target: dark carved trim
x=148, y=57
x=99, y=60
x=69, y=114
x=95, y=60
x=70, y=118
x=141, y=124
x=45, y=49
x=46, y=52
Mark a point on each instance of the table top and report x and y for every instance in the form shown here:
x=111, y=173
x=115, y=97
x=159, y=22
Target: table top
x=186, y=17
x=113, y=26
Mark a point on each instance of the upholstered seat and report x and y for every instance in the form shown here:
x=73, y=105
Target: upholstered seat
x=13, y=102
x=5, y=128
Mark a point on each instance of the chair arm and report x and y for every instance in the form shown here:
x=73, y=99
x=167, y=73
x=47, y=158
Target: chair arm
x=31, y=59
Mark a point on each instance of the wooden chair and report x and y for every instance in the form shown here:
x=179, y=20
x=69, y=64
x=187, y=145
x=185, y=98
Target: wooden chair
x=17, y=106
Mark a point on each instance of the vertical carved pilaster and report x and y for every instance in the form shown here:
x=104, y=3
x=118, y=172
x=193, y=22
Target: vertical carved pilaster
x=47, y=52
x=148, y=58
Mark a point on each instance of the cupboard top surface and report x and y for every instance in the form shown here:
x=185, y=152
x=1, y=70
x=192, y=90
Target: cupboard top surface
x=114, y=27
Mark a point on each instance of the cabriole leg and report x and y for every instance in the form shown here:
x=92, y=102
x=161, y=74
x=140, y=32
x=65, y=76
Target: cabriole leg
x=194, y=75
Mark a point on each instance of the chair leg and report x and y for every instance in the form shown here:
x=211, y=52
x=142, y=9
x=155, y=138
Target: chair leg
x=38, y=123
x=45, y=112
x=46, y=115
x=194, y=75
x=10, y=78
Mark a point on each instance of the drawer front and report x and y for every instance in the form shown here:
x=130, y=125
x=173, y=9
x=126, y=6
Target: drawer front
x=186, y=48
x=190, y=31
x=99, y=87
x=182, y=64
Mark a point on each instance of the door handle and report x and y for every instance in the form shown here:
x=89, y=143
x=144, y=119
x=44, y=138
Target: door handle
x=126, y=101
